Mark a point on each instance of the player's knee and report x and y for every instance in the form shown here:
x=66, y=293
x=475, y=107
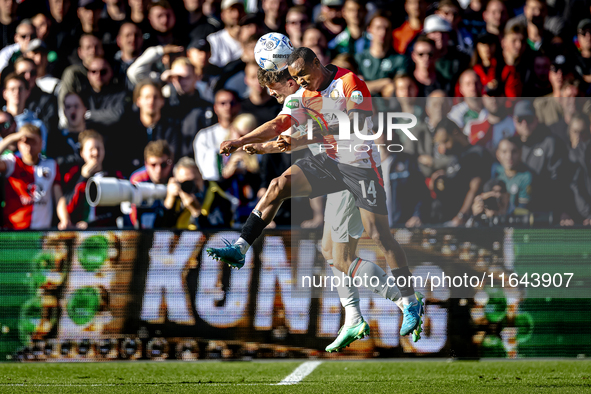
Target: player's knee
x=277, y=189
x=326, y=250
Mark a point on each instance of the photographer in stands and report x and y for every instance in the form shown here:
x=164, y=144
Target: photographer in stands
x=192, y=203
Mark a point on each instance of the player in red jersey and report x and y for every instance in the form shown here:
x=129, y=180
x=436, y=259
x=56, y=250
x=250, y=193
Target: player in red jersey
x=333, y=171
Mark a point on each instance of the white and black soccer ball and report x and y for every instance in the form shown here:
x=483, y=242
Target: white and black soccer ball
x=272, y=50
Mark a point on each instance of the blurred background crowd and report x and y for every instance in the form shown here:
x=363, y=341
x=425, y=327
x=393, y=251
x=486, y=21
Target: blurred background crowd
x=147, y=90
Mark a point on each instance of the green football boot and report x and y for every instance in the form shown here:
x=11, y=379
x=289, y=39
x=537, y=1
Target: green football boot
x=348, y=335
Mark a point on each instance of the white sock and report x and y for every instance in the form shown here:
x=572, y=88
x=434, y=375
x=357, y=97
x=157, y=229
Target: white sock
x=349, y=296
x=367, y=270
x=409, y=299
x=244, y=246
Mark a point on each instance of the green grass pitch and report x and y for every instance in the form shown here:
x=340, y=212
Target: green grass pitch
x=329, y=377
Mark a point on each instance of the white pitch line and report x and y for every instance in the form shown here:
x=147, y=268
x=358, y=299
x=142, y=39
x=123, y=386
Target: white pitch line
x=300, y=373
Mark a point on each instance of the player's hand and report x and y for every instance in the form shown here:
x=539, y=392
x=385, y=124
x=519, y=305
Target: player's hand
x=566, y=220
x=284, y=143
x=478, y=205
x=254, y=149
x=229, y=147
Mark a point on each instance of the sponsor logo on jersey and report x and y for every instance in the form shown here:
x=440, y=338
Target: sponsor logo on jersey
x=292, y=104
x=357, y=97
x=334, y=94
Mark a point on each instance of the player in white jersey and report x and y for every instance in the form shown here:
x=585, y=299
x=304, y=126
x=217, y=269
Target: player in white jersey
x=330, y=172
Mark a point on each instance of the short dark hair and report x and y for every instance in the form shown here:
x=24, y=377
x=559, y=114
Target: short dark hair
x=158, y=148
x=15, y=76
x=267, y=78
x=146, y=82
x=235, y=95
x=304, y=53
x=515, y=140
x=161, y=3
x=89, y=135
x=425, y=39
x=381, y=14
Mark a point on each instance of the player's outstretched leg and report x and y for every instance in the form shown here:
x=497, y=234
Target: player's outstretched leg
x=280, y=189
x=378, y=229
x=355, y=326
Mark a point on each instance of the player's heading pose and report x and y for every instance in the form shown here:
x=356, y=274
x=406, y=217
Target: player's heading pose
x=337, y=170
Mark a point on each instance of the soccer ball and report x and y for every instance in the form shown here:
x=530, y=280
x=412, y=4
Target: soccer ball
x=272, y=50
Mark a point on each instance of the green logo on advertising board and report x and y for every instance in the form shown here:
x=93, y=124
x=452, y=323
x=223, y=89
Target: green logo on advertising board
x=84, y=304
x=94, y=252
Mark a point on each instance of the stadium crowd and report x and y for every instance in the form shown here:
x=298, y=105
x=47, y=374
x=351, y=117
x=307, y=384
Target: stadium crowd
x=147, y=91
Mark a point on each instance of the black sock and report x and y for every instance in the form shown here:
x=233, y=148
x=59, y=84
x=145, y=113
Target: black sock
x=407, y=290
x=253, y=228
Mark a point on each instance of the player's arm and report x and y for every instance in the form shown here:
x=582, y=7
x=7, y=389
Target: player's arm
x=263, y=133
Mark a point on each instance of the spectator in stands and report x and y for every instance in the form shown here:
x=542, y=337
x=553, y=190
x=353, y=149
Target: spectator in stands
x=330, y=22
x=406, y=33
x=495, y=15
x=471, y=89
x=150, y=65
x=224, y=43
x=64, y=144
x=539, y=82
x=42, y=25
x=146, y=124
x=251, y=25
x=379, y=64
x=497, y=78
x=578, y=130
x=347, y=61
x=75, y=76
x=63, y=28
x=456, y=185
x=92, y=152
x=30, y=200
x=37, y=52
x=106, y=100
x=274, y=12
x=579, y=154
x=258, y=102
x=450, y=62
x=513, y=45
x=296, y=21
x=314, y=39
x=425, y=72
x=162, y=25
x=354, y=39
x=546, y=157
x=536, y=22
x=437, y=106
x=583, y=56
x=25, y=32
x=490, y=206
x=158, y=163
x=451, y=11
x=7, y=127
x=241, y=172
x=207, y=142
x=89, y=12
x=138, y=13
x=42, y=105
x=207, y=75
x=16, y=93
x=516, y=175
x=197, y=23
x=233, y=73
x=493, y=124
x=407, y=195
x=556, y=110
x=185, y=104
x=193, y=203
x=8, y=22
x=130, y=43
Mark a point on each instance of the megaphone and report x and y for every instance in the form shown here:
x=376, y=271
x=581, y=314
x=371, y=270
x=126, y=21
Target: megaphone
x=110, y=192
